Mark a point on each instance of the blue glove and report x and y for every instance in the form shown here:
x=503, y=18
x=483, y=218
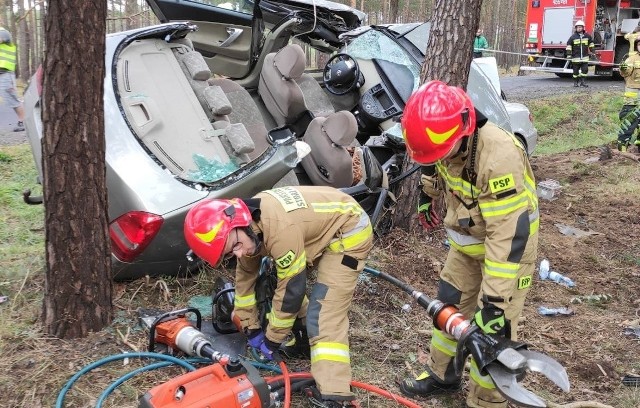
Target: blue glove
x=258, y=341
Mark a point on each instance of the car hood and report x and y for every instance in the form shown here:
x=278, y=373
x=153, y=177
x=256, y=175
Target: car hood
x=339, y=9
x=321, y=22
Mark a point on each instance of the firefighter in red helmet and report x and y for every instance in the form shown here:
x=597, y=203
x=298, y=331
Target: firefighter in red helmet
x=491, y=221
x=299, y=227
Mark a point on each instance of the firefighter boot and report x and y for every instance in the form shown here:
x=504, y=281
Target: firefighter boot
x=583, y=83
x=576, y=82
x=297, y=345
x=426, y=386
x=622, y=147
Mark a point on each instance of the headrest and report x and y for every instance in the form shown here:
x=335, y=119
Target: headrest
x=290, y=61
x=196, y=65
x=217, y=100
x=341, y=127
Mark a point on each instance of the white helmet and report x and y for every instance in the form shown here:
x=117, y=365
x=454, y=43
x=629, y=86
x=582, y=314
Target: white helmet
x=579, y=23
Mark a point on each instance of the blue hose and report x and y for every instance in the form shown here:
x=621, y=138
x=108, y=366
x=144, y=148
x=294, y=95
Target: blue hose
x=137, y=371
x=86, y=369
x=169, y=360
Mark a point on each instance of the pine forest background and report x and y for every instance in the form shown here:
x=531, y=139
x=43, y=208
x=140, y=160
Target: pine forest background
x=502, y=21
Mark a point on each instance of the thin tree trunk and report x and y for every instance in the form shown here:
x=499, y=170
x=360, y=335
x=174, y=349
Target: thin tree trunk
x=77, y=290
x=393, y=10
x=448, y=59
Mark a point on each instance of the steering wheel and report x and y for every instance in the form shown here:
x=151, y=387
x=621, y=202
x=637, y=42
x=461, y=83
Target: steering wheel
x=342, y=74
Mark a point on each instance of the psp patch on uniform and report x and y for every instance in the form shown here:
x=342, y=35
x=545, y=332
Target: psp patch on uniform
x=524, y=282
x=502, y=183
x=286, y=260
x=290, y=198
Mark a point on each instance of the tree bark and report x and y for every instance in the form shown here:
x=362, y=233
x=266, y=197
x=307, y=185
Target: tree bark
x=393, y=10
x=78, y=291
x=448, y=59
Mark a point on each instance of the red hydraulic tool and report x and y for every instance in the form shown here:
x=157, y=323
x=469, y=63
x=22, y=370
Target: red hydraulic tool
x=228, y=382
x=504, y=360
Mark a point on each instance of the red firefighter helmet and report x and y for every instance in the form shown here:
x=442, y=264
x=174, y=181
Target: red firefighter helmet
x=435, y=117
x=208, y=224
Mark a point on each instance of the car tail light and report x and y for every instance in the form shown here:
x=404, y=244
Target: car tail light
x=132, y=232
x=38, y=78
x=530, y=117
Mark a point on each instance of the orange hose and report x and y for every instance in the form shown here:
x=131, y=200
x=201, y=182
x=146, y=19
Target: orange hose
x=287, y=384
x=367, y=387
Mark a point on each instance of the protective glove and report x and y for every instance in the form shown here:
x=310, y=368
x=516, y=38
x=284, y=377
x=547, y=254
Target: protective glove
x=484, y=348
x=259, y=342
x=427, y=214
x=491, y=320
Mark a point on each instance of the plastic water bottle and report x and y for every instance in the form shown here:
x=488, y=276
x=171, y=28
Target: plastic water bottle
x=545, y=274
x=550, y=311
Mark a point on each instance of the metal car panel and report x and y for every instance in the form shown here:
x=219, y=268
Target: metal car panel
x=216, y=38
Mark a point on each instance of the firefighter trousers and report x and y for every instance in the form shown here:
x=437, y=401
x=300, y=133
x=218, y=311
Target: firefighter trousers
x=629, y=122
x=328, y=322
x=580, y=69
x=460, y=284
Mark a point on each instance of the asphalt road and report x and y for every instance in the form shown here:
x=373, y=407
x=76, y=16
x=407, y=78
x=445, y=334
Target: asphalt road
x=539, y=85
x=8, y=120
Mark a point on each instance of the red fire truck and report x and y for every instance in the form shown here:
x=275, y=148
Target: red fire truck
x=550, y=23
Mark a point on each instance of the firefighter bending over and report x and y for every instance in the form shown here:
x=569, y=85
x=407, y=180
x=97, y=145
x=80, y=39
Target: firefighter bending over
x=492, y=225
x=298, y=227
x=579, y=48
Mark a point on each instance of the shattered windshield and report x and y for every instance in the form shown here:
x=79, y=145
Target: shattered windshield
x=374, y=44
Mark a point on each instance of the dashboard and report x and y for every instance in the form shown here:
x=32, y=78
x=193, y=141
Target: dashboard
x=387, y=98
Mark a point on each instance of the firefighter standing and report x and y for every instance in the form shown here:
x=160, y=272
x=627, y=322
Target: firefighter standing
x=492, y=225
x=298, y=227
x=630, y=112
x=479, y=44
x=579, y=48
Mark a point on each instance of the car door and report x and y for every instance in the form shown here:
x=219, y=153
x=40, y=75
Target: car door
x=227, y=31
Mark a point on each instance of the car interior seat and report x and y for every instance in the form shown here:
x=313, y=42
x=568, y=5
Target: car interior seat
x=244, y=111
x=329, y=163
x=234, y=136
x=289, y=94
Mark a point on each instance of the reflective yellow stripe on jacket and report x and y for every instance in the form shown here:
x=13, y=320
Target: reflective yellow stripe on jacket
x=294, y=268
x=356, y=236
x=457, y=184
x=465, y=243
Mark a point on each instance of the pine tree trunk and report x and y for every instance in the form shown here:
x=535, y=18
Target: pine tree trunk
x=393, y=10
x=77, y=298
x=448, y=59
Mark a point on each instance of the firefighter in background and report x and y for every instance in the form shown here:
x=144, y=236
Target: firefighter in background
x=298, y=227
x=579, y=48
x=630, y=112
x=492, y=224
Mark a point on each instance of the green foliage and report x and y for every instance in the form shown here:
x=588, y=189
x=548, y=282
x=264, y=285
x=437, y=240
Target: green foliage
x=567, y=122
x=21, y=225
